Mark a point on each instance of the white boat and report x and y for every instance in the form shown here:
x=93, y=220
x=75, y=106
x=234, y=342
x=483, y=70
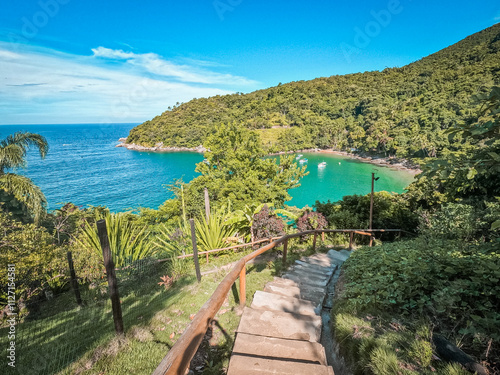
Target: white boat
x=302, y=161
x=298, y=156
x=322, y=164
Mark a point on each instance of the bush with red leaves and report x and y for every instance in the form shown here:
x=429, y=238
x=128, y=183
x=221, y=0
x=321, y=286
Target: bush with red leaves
x=266, y=224
x=311, y=221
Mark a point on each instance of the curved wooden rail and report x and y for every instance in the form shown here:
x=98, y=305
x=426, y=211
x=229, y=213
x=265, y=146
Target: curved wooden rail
x=177, y=360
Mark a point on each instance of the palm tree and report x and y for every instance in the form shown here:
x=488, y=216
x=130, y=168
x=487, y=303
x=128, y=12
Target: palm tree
x=13, y=151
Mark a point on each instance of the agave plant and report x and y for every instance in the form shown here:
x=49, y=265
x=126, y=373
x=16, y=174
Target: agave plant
x=213, y=233
x=128, y=242
x=172, y=241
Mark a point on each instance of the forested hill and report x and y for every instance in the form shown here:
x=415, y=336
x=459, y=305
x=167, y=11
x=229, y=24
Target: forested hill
x=401, y=111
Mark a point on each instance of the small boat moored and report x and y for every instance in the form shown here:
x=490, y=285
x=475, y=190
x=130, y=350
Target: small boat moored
x=302, y=161
x=298, y=156
x=322, y=164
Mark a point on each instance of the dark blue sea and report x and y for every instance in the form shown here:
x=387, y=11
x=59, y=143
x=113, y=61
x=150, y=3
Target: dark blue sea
x=84, y=167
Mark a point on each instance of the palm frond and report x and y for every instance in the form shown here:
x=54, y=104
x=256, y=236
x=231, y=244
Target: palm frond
x=26, y=192
x=13, y=148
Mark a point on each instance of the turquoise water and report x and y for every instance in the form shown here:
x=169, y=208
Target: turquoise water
x=84, y=167
x=344, y=176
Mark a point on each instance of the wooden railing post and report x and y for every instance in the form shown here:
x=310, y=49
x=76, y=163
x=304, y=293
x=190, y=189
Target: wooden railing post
x=285, y=250
x=351, y=236
x=207, y=205
x=74, y=281
x=323, y=237
x=110, y=272
x=243, y=286
x=314, y=240
x=371, y=241
x=195, y=250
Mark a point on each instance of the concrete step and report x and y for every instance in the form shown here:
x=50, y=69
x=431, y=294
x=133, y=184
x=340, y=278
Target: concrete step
x=274, y=348
x=303, y=278
x=310, y=293
x=284, y=282
x=249, y=365
x=277, y=302
x=280, y=325
x=313, y=268
x=338, y=256
x=346, y=252
x=318, y=259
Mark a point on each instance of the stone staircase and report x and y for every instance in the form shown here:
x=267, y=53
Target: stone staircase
x=280, y=333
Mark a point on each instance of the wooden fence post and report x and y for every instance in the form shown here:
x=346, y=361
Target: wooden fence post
x=351, y=237
x=314, y=240
x=74, y=281
x=195, y=250
x=110, y=272
x=285, y=250
x=371, y=240
x=207, y=205
x=323, y=237
x=243, y=286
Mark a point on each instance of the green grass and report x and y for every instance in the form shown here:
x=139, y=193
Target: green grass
x=386, y=346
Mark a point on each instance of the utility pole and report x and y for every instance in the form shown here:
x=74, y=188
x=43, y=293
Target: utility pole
x=371, y=199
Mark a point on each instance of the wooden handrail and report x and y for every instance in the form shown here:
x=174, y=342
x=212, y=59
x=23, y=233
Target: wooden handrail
x=177, y=360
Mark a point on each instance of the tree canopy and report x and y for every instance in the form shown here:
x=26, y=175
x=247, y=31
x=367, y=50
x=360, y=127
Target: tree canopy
x=237, y=172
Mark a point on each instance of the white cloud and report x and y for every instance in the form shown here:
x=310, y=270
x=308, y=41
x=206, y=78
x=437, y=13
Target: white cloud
x=45, y=86
x=155, y=64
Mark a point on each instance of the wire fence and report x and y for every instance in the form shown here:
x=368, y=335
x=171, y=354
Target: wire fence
x=52, y=331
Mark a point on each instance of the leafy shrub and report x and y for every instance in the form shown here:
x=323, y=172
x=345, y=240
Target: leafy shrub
x=447, y=281
x=31, y=250
x=266, y=224
x=353, y=212
x=461, y=221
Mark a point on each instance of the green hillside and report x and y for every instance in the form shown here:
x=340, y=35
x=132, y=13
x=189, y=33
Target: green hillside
x=398, y=111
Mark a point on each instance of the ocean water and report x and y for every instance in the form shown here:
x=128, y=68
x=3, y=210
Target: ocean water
x=84, y=167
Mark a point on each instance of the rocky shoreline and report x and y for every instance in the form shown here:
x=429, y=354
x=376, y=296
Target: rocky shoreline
x=158, y=147
x=390, y=162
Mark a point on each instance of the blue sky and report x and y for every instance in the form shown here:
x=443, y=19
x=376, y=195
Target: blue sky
x=79, y=61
